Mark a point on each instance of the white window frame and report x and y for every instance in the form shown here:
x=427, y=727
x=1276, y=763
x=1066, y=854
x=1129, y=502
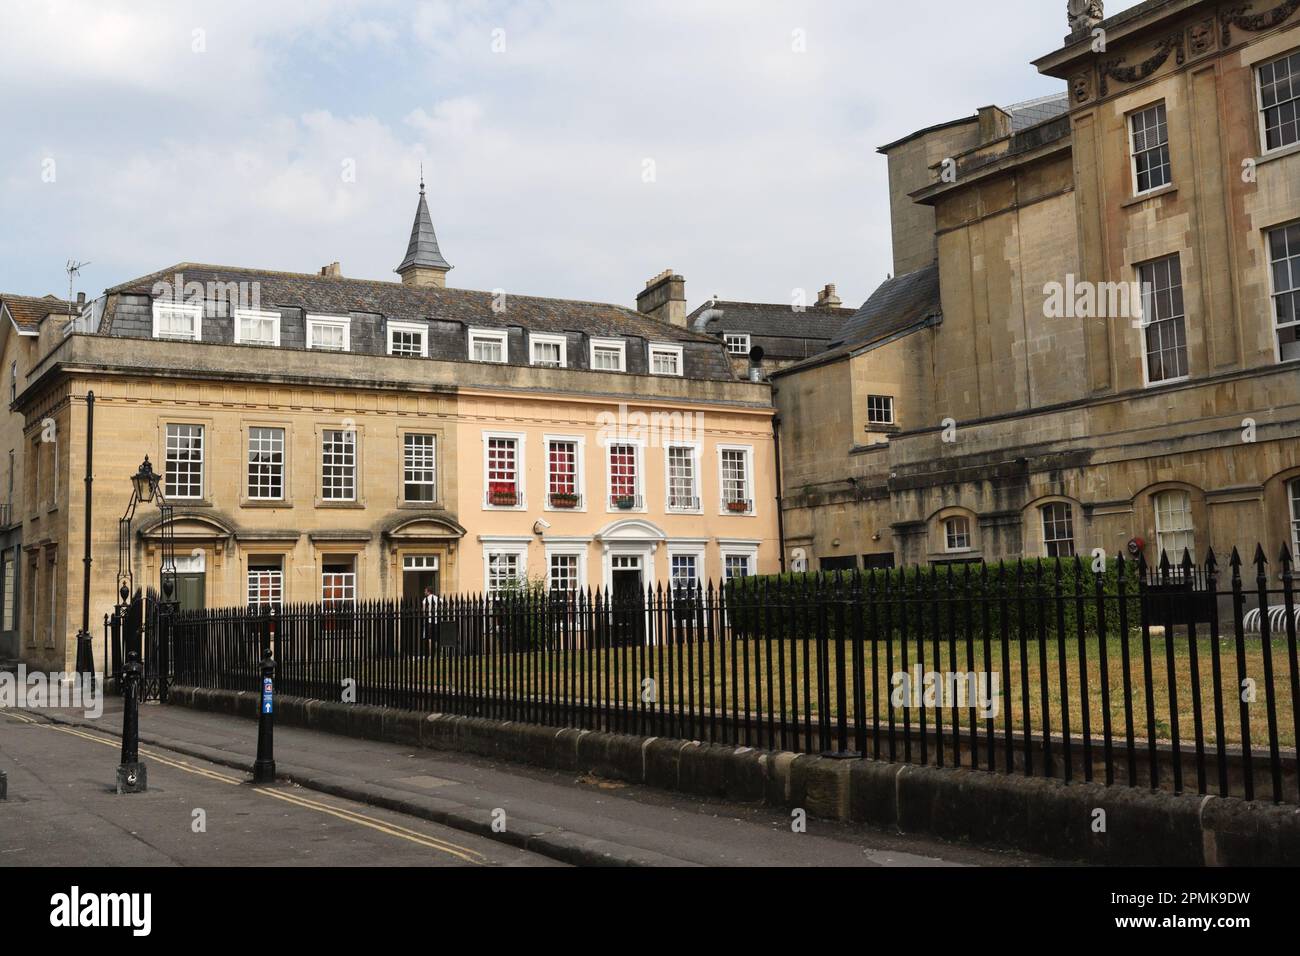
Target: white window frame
x=568, y=547
x=194, y=310
x=404, y=435
x=504, y=545
x=203, y=462
x=638, y=462
x=618, y=344
x=500, y=336
x=1145, y=323
x=537, y=338
x=1274, y=294
x=879, y=421
x=741, y=338
x=687, y=548
x=521, y=441
x=258, y=315
x=1190, y=529
x=356, y=463
x=665, y=348
x=737, y=548
x=748, y=451
x=1293, y=499
x=409, y=328
x=354, y=584
x=276, y=575
x=696, y=457
x=1264, y=148
x=1133, y=151
x=1069, y=519
x=969, y=534
x=249, y=464
x=329, y=321
x=580, y=470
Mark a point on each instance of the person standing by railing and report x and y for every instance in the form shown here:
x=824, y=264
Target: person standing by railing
x=429, y=611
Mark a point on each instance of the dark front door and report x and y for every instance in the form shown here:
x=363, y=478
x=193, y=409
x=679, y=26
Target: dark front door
x=629, y=616
x=191, y=591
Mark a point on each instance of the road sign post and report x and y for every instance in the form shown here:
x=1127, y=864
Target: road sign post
x=264, y=767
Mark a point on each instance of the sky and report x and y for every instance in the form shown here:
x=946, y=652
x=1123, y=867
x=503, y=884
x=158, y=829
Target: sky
x=572, y=148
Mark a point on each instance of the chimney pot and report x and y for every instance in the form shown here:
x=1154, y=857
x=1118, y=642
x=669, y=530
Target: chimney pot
x=332, y=271
x=827, y=298
x=81, y=298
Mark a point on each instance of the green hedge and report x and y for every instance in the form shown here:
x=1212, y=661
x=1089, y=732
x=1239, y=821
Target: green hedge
x=799, y=599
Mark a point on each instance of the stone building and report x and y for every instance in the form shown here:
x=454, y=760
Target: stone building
x=1091, y=341
x=325, y=438
x=22, y=320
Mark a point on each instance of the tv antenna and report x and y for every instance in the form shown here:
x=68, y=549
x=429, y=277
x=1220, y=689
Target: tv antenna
x=73, y=268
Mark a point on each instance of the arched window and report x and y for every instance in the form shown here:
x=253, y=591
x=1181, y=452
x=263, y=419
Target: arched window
x=956, y=533
x=1174, y=525
x=1058, y=529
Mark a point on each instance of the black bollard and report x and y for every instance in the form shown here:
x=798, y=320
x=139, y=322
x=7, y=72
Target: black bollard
x=264, y=767
x=4, y=785
x=132, y=776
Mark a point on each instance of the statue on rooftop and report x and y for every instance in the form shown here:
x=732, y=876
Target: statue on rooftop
x=1084, y=15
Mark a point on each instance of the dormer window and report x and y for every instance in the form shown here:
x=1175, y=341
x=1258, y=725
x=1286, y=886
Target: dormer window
x=487, y=345
x=409, y=339
x=257, y=328
x=329, y=333
x=172, y=320
x=549, y=351
x=665, y=359
x=737, y=343
x=609, y=355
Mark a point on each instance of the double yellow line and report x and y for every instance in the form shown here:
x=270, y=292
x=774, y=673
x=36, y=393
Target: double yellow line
x=350, y=816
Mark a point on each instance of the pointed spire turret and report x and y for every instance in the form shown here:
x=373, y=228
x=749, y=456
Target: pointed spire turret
x=424, y=263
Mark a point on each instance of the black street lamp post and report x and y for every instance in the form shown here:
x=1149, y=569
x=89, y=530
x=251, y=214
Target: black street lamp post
x=145, y=486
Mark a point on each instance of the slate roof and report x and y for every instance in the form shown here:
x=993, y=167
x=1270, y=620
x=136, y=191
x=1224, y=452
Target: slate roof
x=326, y=295
x=772, y=320
x=1040, y=110
x=423, y=249
x=899, y=303
x=28, y=311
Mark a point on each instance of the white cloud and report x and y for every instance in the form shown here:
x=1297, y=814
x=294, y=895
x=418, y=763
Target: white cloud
x=767, y=177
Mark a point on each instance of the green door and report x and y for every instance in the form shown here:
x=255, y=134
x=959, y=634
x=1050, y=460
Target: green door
x=190, y=590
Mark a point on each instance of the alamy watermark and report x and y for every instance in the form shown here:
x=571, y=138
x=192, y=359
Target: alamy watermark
x=652, y=430
x=224, y=296
x=947, y=689
x=37, y=690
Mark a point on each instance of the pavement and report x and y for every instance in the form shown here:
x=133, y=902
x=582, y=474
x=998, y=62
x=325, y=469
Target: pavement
x=345, y=801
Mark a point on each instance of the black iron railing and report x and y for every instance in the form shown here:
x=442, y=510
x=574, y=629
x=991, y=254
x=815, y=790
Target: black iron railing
x=1054, y=668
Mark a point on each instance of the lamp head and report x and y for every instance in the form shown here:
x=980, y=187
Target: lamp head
x=145, y=481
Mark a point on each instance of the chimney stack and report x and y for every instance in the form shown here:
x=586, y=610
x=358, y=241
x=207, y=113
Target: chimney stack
x=664, y=298
x=332, y=271
x=827, y=299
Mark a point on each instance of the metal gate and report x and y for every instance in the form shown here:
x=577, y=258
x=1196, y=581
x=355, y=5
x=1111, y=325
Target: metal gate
x=143, y=626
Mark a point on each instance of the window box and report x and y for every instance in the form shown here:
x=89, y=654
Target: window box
x=564, y=499
x=738, y=506
x=503, y=498
x=624, y=502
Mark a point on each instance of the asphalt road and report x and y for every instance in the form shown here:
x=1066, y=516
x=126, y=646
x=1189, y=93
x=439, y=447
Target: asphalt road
x=62, y=811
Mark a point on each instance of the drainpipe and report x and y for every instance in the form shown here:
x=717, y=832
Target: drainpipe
x=780, y=516
x=85, y=652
